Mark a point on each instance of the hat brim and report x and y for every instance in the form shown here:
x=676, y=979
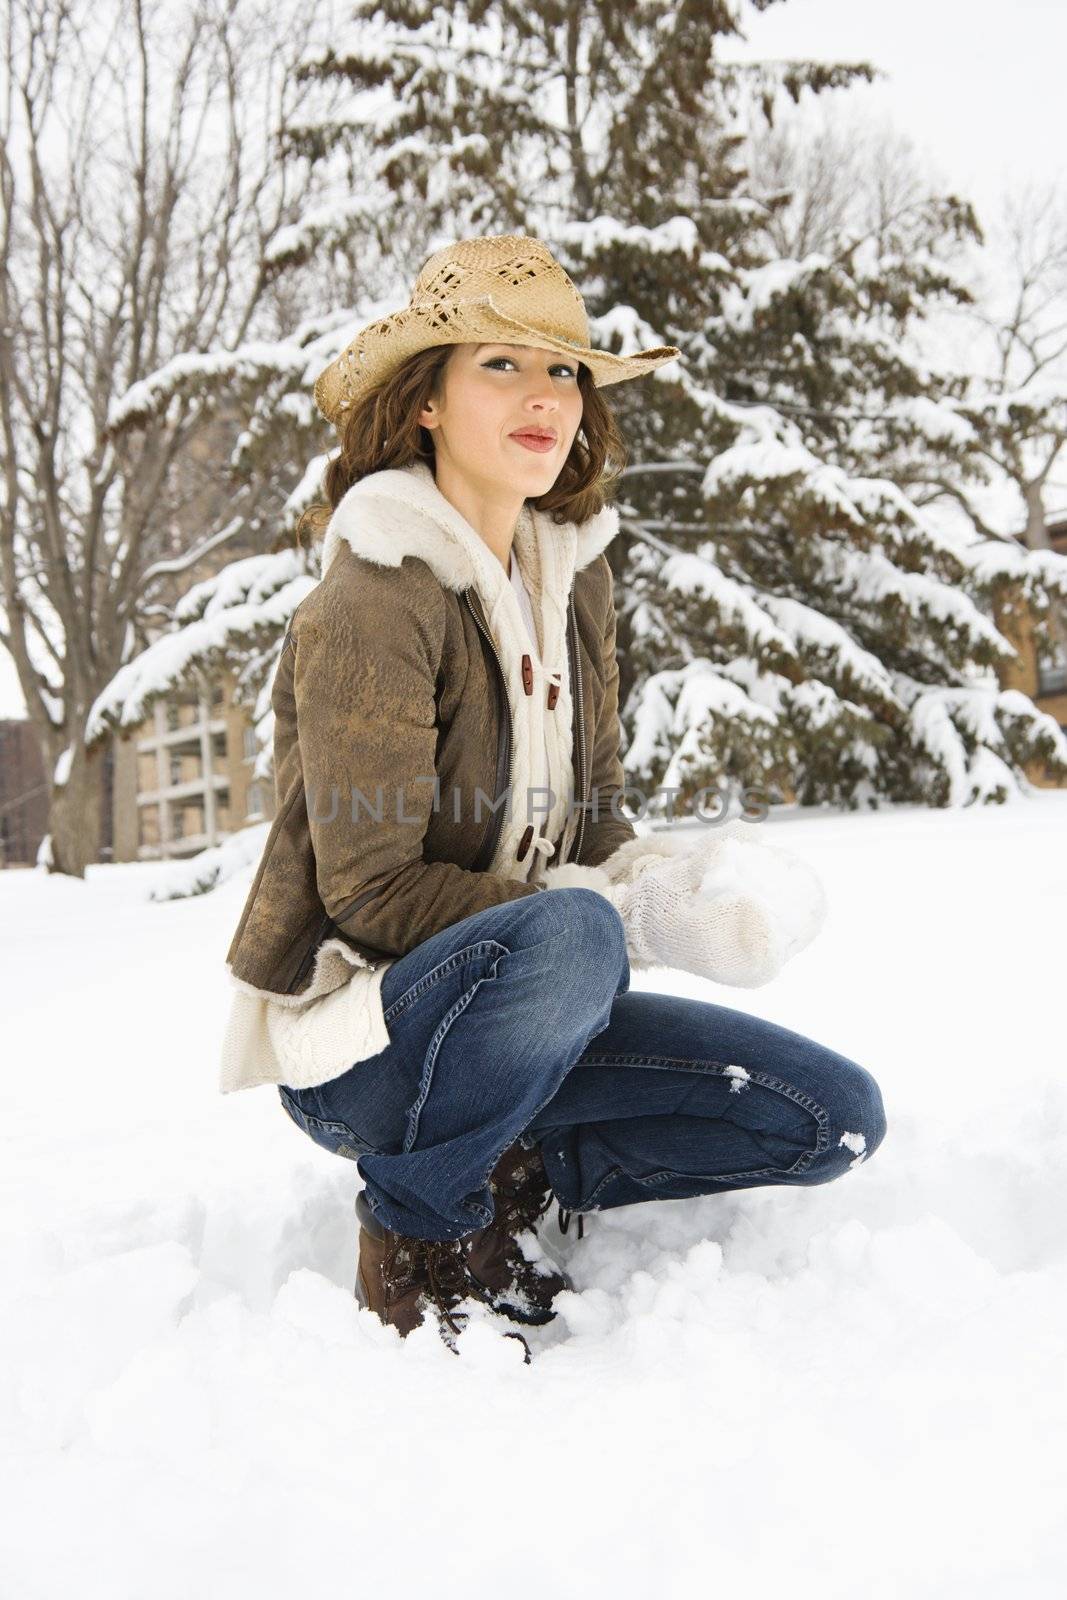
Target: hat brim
x=382, y=346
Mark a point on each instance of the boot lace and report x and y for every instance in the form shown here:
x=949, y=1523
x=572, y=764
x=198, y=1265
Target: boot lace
x=565, y=1222
x=434, y=1262
x=520, y=1205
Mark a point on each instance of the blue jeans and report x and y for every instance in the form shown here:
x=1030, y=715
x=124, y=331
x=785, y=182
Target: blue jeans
x=518, y=1023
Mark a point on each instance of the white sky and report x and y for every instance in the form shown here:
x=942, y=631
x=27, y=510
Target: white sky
x=977, y=86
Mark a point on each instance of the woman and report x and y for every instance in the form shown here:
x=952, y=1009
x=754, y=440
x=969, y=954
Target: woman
x=446, y=750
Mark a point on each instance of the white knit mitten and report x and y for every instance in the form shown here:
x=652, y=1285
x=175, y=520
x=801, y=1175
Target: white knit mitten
x=727, y=908
x=786, y=887
x=630, y=860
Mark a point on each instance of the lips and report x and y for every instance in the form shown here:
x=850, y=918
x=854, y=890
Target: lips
x=534, y=438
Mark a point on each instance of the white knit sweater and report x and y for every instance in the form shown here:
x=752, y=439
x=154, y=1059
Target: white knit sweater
x=541, y=777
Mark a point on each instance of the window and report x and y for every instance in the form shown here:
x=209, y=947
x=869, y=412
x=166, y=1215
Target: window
x=1052, y=672
x=186, y=820
x=218, y=696
x=218, y=747
x=184, y=766
x=255, y=800
x=172, y=717
x=148, y=825
x=249, y=743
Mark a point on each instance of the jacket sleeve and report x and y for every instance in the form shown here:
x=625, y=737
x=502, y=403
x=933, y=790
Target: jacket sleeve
x=605, y=834
x=367, y=651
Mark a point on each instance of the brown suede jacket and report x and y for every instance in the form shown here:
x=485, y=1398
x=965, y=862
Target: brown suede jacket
x=389, y=678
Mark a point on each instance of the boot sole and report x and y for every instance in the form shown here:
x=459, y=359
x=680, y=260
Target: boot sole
x=514, y=1313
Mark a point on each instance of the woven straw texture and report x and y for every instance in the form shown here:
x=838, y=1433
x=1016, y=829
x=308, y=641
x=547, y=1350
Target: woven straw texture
x=502, y=287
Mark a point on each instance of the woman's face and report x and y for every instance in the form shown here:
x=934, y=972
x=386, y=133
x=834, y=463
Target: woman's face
x=489, y=392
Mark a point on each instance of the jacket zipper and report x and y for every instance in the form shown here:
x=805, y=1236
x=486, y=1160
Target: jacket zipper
x=576, y=699
x=495, y=822
x=310, y=954
x=326, y=923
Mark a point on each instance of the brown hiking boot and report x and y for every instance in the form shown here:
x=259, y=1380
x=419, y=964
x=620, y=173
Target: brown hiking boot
x=519, y=1285
x=400, y=1279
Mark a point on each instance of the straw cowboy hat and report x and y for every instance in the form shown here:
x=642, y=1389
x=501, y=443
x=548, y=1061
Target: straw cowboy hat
x=501, y=287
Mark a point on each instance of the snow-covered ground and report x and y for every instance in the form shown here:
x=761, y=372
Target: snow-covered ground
x=851, y=1390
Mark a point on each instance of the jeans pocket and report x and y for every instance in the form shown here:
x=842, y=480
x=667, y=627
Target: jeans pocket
x=484, y=948
x=337, y=1137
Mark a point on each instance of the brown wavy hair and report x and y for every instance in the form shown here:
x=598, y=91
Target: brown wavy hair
x=382, y=430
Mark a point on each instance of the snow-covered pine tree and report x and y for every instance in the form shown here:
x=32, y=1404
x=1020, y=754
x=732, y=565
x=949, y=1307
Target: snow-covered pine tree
x=789, y=618
x=828, y=638
x=1017, y=404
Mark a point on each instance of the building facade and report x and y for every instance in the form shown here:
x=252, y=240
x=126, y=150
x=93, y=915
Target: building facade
x=23, y=793
x=182, y=781
x=1039, y=670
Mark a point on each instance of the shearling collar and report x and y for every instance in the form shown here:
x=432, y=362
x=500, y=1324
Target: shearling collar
x=375, y=518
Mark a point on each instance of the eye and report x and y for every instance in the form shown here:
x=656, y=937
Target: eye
x=495, y=360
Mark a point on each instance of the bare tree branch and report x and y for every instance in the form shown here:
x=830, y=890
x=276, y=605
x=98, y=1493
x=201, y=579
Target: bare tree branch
x=140, y=189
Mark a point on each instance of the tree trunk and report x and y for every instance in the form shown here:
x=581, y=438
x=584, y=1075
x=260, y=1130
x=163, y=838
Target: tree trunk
x=1012, y=617
x=1036, y=535
x=74, y=813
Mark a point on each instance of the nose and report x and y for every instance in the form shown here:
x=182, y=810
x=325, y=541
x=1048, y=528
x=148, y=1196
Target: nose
x=542, y=391
x=546, y=401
